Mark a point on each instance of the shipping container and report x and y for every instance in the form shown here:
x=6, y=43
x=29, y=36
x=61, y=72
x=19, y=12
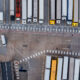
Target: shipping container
x=59, y=69
x=1, y=16
x=18, y=9
x=41, y=11
x=64, y=9
x=29, y=18
x=70, y=12
x=48, y=62
x=12, y=15
x=77, y=69
x=35, y=11
x=71, y=69
x=47, y=74
x=58, y=12
x=75, y=13
x=24, y=11
x=53, y=70
x=52, y=11
x=65, y=68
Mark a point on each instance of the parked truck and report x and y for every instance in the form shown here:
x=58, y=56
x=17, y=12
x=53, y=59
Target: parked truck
x=24, y=11
x=64, y=9
x=70, y=12
x=58, y=11
x=12, y=15
x=41, y=11
x=52, y=12
x=35, y=11
x=75, y=13
x=29, y=18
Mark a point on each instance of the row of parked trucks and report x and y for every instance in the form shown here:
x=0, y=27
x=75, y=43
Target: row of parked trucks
x=33, y=11
x=66, y=68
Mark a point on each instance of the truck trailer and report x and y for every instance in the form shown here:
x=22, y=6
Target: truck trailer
x=1, y=16
x=12, y=15
x=52, y=12
x=70, y=12
x=77, y=69
x=29, y=18
x=65, y=68
x=64, y=9
x=71, y=69
x=41, y=11
x=75, y=13
x=58, y=11
x=18, y=9
x=24, y=11
x=35, y=11
x=48, y=62
x=59, y=68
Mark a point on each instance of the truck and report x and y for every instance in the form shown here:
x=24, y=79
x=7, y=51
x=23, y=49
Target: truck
x=58, y=11
x=52, y=12
x=76, y=69
x=48, y=62
x=64, y=9
x=47, y=74
x=18, y=10
x=3, y=39
x=29, y=18
x=71, y=69
x=75, y=13
x=41, y=11
x=35, y=11
x=70, y=12
x=12, y=15
x=24, y=11
x=59, y=68
x=1, y=16
x=65, y=68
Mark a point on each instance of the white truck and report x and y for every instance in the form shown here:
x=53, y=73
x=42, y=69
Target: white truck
x=70, y=12
x=41, y=11
x=59, y=69
x=35, y=11
x=29, y=18
x=24, y=11
x=52, y=12
x=3, y=39
x=58, y=12
x=75, y=13
x=64, y=9
x=65, y=68
x=12, y=15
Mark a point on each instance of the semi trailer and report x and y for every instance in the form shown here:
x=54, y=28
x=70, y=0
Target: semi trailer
x=52, y=12
x=41, y=11
x=12, y=15
x=71, y=69
x=58, y=11
x=64, y=9
x=1, y=17
x=65, y=68
x=59, y=68
x=18, y=9
x=76, y=69
x=48, y=62
x=24, y=11
x=75, y=13
x=29, y=18
x=35, y=11
x=70, y=12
